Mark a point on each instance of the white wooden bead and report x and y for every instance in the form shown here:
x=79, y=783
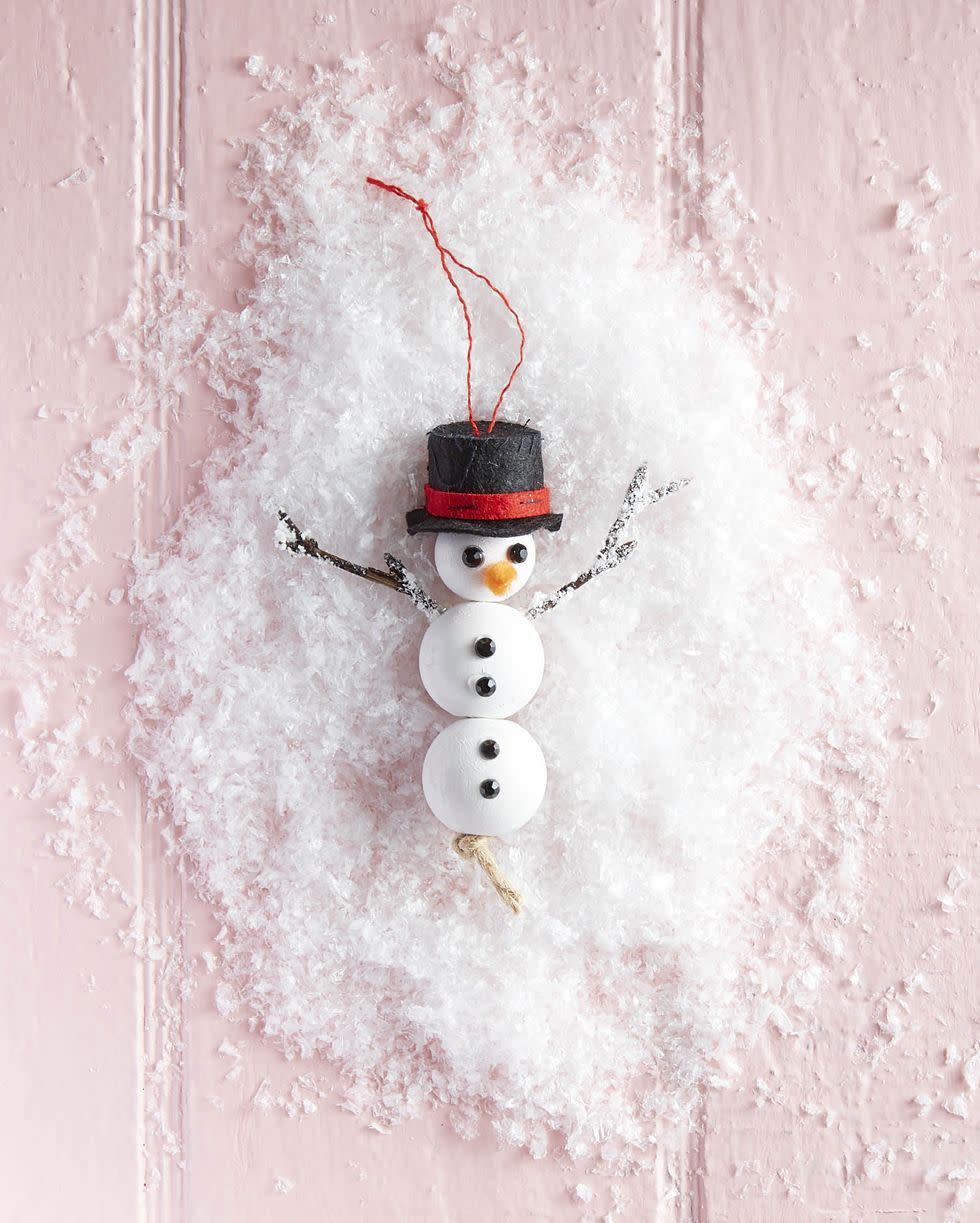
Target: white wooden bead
x=454, y=673
x=457, y=767
x=496, y=577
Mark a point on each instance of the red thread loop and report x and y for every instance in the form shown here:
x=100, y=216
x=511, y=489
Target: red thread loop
x=445, y=257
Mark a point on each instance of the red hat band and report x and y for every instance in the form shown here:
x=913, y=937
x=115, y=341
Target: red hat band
x=487, y=507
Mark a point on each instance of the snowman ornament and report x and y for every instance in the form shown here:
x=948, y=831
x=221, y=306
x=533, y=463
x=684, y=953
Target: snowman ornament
x=482, y=660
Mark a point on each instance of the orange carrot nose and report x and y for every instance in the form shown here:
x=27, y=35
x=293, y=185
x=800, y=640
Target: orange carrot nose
x=498, y=577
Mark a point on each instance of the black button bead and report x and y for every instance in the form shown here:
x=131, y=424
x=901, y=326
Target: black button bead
x=486, y=686
x=517, y=553
x=485, y=647
x=472, y=557
x=489, y=749
x=489, y=788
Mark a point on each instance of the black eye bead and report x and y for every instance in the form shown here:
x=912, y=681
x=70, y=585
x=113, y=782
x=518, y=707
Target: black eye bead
x=517, y=553
x=489, y=749
x=472, y=557
x=485, y=686
x=489, y=788
x=485, y=647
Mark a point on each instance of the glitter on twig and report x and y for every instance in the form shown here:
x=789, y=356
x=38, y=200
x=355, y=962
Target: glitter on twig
x=397, y=578
x=612, y=552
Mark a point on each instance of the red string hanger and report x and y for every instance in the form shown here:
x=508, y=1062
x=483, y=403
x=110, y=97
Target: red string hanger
x=446, y=257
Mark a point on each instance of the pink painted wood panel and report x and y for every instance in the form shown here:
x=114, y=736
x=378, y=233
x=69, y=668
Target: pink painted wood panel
x=837, y=113
x=72, y=1009
x=834, y=113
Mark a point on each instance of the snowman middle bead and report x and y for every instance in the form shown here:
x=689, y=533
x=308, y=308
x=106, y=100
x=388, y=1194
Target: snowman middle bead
x=483, y=661
x=480, y=659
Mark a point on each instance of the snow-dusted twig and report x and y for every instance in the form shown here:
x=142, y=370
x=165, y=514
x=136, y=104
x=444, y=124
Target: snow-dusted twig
x=409, y=585
x=397, y=577
x=612, y=553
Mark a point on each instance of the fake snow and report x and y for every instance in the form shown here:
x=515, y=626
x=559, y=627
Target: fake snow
x=707, y=707
x=879, y=1161
x=708, y=696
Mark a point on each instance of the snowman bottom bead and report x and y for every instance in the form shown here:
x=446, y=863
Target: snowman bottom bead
x=484, y=776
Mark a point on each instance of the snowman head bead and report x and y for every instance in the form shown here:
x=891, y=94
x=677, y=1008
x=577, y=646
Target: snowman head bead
x=484, y=568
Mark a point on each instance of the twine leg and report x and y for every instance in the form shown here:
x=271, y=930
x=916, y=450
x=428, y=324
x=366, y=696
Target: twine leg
x=475, y=848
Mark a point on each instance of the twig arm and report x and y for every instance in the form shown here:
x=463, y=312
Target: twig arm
x=544, y=603
x=408, y=584
x=396, y=578
x=612, y=552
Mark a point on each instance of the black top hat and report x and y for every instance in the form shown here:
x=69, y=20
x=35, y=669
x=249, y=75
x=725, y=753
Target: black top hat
x=486, y=483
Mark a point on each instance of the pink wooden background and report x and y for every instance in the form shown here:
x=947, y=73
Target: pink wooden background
x=835, y=111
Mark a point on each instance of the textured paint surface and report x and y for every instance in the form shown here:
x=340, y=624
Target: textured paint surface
x=852, y=131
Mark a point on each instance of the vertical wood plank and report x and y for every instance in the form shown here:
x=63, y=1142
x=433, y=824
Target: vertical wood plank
x=159, y=105
x=421, y=1171
x=69, y=1059
x=836, y=112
